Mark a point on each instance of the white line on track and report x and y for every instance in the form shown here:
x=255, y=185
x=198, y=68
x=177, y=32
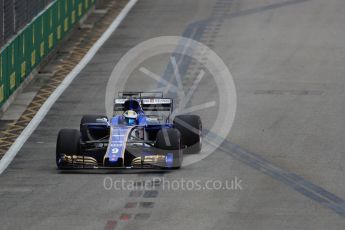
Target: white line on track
x=42, y=112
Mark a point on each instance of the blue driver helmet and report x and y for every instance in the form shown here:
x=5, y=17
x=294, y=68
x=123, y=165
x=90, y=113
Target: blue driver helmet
x=131, y=117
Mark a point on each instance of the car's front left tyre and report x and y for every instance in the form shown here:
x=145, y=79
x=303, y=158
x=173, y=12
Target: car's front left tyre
x=168, y=144
x=190, y=127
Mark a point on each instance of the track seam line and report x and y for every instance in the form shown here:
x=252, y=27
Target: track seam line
x=302, y=186
x=23, y=137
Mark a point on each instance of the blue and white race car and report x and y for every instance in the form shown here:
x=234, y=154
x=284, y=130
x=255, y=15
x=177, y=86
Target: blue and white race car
x=139, y=135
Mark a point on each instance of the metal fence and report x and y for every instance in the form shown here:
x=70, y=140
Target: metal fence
x=15, y=14
x=33, y=38
x=1, y=22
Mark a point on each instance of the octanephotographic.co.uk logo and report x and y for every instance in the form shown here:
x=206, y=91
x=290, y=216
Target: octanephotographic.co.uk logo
x=181, y=184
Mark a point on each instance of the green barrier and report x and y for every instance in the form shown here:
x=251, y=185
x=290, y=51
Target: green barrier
x=25, y=51
x=3, y=76
x=22, y=53
x=12, y=65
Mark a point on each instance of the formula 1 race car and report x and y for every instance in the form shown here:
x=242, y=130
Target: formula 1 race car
x=139, y=135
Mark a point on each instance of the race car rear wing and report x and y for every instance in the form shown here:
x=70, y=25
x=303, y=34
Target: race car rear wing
x=157, y=104
x=147, y=104
x=140, y=95
x=149, y=101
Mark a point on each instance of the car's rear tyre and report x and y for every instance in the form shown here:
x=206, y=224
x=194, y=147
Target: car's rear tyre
x=168, y=143
x=68, y=143
x=88, y=119
x=190, y=127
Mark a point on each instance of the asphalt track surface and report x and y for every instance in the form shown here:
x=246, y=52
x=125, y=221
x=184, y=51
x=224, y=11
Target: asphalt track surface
x=286, y=145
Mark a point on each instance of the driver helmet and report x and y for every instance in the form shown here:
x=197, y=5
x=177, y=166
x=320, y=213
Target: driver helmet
x=131, y=117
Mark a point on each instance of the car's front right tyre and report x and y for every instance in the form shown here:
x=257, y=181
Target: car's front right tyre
x=68, y=143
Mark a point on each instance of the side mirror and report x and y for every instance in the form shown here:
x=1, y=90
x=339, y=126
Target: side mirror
x=102, y=120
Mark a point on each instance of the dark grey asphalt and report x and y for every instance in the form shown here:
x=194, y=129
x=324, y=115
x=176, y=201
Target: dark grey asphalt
x=287, y=60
